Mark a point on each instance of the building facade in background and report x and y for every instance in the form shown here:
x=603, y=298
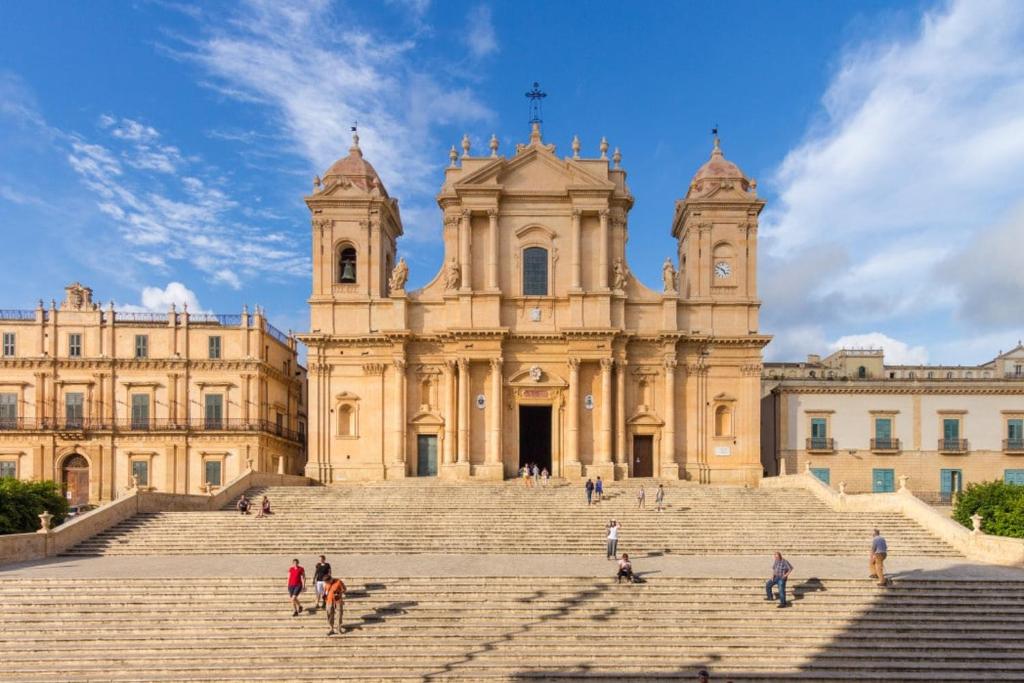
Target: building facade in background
x=534, y=343
x=854, y=419
x=102, y=400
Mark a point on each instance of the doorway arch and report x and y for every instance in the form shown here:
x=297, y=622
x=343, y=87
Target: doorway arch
x=75, y=479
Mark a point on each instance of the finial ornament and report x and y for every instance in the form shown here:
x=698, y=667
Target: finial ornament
x=535, y=96
x=465, y=145
x=535, y=133
x=617, y=158
x=355, y=138
x=316, y=183
x=575, y=146
x=604, y=148
x=717, y=149
x=453, y=156
x=494, y=145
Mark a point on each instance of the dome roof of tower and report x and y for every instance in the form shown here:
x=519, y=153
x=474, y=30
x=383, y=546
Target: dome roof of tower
x=717, y=168
x=355, y=169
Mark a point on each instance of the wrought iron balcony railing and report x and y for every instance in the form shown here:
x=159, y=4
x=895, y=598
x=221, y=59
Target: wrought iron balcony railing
x=821, y=444
x=1013, y=445
x=953, y=445
x=130, y=425
x=885, y=445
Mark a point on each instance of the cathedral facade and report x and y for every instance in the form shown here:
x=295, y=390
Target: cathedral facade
x=534, y=343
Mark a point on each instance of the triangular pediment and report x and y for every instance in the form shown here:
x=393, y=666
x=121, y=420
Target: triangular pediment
x=535, y=170
x=647, y=419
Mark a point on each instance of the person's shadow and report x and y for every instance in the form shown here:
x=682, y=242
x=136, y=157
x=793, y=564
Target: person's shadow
x=811, y=585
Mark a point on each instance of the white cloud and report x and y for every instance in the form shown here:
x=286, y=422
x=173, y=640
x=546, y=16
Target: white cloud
x=480, y=35
x=159, y=300
x=895, y=351
x=917, y=154
x=318, y=76
x=128, y=129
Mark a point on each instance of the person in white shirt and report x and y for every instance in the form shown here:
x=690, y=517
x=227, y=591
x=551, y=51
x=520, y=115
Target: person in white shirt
x=613, y=539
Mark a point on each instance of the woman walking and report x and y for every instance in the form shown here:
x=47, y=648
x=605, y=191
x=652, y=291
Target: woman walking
x=641, y=498
x=613, y=539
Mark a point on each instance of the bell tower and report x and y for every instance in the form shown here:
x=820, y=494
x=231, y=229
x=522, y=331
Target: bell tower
x=716, y=226
x=355, y=228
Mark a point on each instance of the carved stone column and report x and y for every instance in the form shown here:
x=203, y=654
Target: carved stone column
x=573, y=416
x=464, y=251
x=668, y=459
x=398, y=456
x=604, y=448
x=576, y=272
x=492, y=249
x=602, y=252
x=620, y=413
x=463, y=410
x=494, y=442
x=451, y=411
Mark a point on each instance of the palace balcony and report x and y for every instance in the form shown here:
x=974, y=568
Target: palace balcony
x=954, y=446
x=885, y=445
x=1013, y=446
x=820, y=444
x=82, y=426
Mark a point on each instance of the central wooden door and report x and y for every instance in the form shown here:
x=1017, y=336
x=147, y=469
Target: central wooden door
x=643, y=456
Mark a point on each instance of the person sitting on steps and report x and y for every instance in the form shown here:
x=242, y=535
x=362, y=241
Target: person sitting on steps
x=243, y=505
x=625, y=570
x=264, y=508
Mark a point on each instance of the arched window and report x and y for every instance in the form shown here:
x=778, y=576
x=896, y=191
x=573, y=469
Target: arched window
x=723, y=421
x=345, y=421
x=949, y=375
x=535, y=271
x=862, y=372
x=347, y=265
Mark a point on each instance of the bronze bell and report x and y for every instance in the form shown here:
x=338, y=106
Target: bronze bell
x=348, y=271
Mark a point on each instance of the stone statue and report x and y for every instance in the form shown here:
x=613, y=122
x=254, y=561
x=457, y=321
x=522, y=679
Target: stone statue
x=620, y=274
x=668, y=276
x=398, y=276
x=452, y=275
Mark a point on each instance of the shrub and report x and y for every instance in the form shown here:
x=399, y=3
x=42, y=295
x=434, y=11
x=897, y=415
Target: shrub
x=21, y=503
x=1000, y=505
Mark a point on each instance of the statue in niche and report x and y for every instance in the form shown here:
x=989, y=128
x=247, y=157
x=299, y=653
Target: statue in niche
x=399, y=276
x=452, y=275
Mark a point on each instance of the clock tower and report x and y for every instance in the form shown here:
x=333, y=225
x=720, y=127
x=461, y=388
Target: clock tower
x=716, y=225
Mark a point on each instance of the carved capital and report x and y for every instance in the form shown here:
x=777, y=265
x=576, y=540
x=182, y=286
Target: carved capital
x=463, y=365
x=399, y=364
x=574, y=364
x=493, y=212
x=466, y=213
x=496, y=365
x=322, y=224
x=607, y=364
x=373, y=369
x=603, y=213
x=576, y=213
x=670, y=362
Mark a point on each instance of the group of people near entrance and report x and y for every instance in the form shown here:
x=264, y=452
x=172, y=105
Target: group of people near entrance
x=330, y=592
x=532, y=475
x=244, y=506
x=595, y=493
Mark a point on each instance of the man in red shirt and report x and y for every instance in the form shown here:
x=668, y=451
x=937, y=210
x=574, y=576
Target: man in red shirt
x=296, y=582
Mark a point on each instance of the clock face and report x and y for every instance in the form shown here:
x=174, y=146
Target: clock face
x=722, y=269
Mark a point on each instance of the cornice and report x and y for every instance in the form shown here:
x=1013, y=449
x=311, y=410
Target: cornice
x=841, y=387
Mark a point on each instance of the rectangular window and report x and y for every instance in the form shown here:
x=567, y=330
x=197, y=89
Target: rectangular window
x=819, y=428
x=8, y=469
x=535, y=271
x=214, y=347
x=140, y=470
x=74, y=345
x=950, y=428
x=212, y=472
x=280, y=423
x=140, y=411
x=882, y=481
x=213, y=411
x=8, y=411
x=141, y=346
x=883, y=428
x=1015, y=429
x=74, y=409
x=8, y=344
x=1014, y=477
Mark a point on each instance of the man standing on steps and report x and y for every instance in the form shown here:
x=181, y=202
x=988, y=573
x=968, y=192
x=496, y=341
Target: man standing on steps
x=780, y=572
x=613, y=540
x=334, y=596
x=322, y=570
x=589, y=487
x=296, y=582
x=659, y=497
x=879, y=551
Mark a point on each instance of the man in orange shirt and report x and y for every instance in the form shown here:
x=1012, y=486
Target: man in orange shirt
x=334, y=597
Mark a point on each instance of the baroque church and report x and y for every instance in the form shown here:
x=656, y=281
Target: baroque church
x=534, y=343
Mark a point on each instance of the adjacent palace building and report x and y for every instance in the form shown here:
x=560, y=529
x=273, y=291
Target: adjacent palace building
x=534, y=343
x=851, y=418
x=103, y=401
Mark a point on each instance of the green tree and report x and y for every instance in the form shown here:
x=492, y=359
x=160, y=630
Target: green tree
x=1000, y=505
x=21, y=503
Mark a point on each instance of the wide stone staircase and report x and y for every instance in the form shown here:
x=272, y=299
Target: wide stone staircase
x=512, y=628
x=440, y=517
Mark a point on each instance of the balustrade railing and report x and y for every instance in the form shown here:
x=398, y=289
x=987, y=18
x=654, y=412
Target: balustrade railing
x=953, y=445
x=821, y=444
x=277, y=334
x=17, y=314
x=885, y=444
x=222, y=319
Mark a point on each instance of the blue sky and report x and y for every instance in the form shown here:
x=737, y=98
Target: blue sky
x=159, y=151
